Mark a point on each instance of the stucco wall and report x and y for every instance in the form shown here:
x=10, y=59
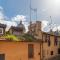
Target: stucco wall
x=18, y=50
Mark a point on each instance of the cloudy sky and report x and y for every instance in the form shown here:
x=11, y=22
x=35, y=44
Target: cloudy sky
x=12, y=11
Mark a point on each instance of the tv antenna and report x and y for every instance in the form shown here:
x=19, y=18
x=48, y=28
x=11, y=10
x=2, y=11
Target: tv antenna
x=50, y=23
x=33, y=9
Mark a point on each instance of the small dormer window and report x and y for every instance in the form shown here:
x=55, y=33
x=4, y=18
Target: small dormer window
x=55, y=40
x=1, y=30
x=48, y=39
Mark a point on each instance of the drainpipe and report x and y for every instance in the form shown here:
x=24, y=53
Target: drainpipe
x=40, y=50
x=42, y=47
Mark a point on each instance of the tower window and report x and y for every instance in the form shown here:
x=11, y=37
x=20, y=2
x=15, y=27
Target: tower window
x=55, y=40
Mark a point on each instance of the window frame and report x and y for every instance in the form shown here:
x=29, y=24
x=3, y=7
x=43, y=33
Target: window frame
x=1, y=30
x=48, y=40
x=52, y=52
x=30, y=50
x=2, y=56
x=45, y=37
x=55, y=40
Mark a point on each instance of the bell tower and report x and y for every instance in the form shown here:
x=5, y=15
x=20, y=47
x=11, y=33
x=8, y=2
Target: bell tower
x=38, y=32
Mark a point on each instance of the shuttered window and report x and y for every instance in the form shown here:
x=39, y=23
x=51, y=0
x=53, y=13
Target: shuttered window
x=55, y=40
x=2, y=56
x=48, y=39
x=30, y=51
x=51, y=52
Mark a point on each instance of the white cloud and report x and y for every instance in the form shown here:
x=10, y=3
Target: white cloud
x=9, y=24
x=56, y=28
x=44, y=24
x=59, y=28
x=44, y=10
x=18, y=18
x=46, y=27
x=1, y=14
x=26, y=27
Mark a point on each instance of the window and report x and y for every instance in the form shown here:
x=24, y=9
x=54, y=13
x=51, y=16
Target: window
x=55, y=40
x=46, y=38
x=2, y=56
x=58, y=50
x=1, y=30
x=30, y=51
x=51, y=52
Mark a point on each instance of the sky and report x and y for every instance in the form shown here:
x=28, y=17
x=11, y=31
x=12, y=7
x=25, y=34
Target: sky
x=12, y=11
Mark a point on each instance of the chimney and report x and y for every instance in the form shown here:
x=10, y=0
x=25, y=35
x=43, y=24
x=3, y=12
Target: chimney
x=38, y=32
x=38, y=25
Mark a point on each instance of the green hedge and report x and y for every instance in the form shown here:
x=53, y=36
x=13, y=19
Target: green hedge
x=24, y=37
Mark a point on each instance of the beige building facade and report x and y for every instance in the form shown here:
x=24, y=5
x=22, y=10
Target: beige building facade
x=50, y=47
x=50, y=42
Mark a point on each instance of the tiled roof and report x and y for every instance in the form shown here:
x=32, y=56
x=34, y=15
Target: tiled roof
x=52, y=34
x=16, y=28
x=2, y=25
